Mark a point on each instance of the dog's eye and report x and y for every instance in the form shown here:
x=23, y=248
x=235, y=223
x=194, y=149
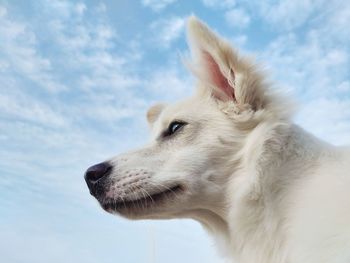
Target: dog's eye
x=174, y=127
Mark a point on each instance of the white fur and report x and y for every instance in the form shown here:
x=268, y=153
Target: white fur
x=265, y=189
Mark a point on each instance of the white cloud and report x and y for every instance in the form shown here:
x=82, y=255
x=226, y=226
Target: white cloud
x=65, y=9
x=83, y=48
x=169, y=84
x=288, y=14
x=157, y=5
x=3, y=11
x=80, y=8
x=327, y=118
x=18, y=45
x=239, y=41
x=166, y=31
x=334, y=26
x=237, y=18
x=344, y=87
x=307, y=65
x=315, y=65
x=19, y=106
x=85, y=98
x=101, y=7
x=219, y=3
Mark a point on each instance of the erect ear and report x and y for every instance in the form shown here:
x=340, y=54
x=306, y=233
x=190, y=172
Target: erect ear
x=219, y=68
x=154, y=112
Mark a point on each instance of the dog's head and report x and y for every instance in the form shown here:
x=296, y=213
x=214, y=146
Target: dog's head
x=197, y=144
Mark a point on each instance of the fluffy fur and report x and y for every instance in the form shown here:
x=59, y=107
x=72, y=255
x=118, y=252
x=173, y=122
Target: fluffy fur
x=265, y=189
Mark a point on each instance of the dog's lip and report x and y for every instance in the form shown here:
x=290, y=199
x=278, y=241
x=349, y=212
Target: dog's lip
x=111, y=205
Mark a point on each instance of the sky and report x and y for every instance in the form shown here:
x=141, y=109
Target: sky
x=76, y=78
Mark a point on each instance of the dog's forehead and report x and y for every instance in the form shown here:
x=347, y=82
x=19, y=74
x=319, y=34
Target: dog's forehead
x=192, y=110
x=184, y=110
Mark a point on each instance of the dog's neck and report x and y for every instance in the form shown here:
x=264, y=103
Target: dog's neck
x=257, y=192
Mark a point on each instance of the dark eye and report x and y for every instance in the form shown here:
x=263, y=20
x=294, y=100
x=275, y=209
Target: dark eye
x=174, y=127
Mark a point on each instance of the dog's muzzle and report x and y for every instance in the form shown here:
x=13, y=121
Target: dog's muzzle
x=94, y=176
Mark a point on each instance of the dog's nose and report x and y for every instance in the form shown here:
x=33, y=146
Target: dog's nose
x=96, y=172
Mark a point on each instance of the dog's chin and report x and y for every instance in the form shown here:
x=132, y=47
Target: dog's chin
x=155, y=206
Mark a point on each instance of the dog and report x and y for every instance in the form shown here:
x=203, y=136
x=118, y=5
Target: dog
x=230, y=157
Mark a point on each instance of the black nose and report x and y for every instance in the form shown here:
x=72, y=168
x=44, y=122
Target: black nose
x=94, y=173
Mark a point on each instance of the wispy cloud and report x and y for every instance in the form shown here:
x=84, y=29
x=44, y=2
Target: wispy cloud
x=20, y=55
x=166, y=31
x=219, y=3
x=157, y=5
x=288, y=14
x=83, y=61
x=14, y=104
x=315, y=66
x=239, y=41
x=237, y=18
x=169, y=84
x=332, y=111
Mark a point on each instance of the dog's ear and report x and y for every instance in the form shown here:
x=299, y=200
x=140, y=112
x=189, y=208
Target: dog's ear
x=154, y=112
x=219, y=68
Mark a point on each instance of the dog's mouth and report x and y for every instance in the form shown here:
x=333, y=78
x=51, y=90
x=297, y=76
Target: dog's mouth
x=144, y=203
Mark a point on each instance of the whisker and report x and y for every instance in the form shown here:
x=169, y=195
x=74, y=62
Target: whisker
x=164, y=187
x=148, y=195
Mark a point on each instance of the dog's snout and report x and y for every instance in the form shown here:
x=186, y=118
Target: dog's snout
x=94, y=173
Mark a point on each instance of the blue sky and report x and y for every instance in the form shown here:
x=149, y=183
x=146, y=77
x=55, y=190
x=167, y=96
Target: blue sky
x=76, y=78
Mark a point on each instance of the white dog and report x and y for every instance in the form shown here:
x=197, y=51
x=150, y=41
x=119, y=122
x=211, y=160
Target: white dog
x=230, y=157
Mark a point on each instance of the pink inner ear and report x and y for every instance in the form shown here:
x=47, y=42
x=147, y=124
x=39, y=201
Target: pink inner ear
x=219, y=80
